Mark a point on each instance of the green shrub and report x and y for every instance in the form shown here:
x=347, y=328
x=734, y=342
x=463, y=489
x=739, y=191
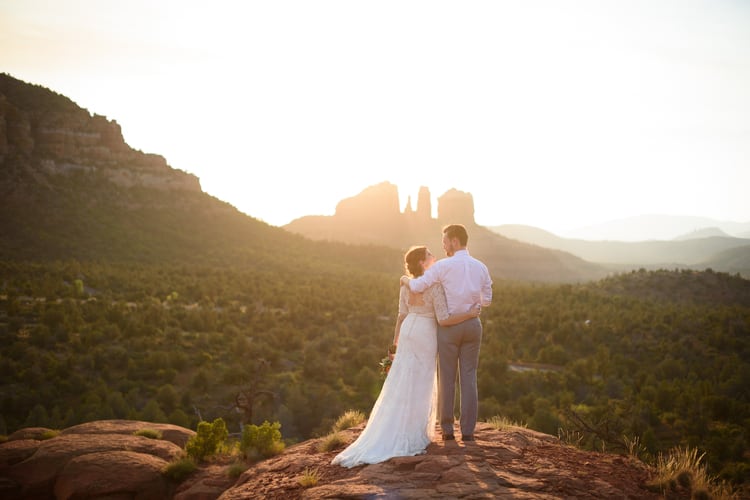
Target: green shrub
x=351, y=418
x=262, y=441
x=148, y=433
x=48, y=434
x=208, y=440
x=179, y=469
x=237, y=468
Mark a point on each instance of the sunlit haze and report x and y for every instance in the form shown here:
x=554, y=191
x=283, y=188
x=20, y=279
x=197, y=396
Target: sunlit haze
x=556, y=114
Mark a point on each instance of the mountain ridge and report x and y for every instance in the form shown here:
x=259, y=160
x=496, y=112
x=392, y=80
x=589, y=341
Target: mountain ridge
x=72, y=188
x=654, y=227
x=706, y=232
x=47, y=133
x=721, y=253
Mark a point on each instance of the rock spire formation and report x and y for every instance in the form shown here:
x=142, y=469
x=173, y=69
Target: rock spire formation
x=380, y=203
x=456, y=205
x=424, y=204
x=373, y=217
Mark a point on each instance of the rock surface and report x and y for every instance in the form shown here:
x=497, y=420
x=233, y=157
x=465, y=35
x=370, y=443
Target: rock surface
x=93, y=460
x=172, y=433
x=511, y=463
x=105, y=460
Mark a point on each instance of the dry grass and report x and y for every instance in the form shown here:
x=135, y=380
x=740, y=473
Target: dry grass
x=331, y=442
x=351, y=418
x=573, y=438
x=500, y=423
x=635, y=448
x=682, y=471
x=310, y=477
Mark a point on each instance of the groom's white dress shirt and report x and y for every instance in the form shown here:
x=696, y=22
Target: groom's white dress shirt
x=466, y=281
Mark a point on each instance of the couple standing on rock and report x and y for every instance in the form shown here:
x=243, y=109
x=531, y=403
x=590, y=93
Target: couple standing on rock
x=438, y=315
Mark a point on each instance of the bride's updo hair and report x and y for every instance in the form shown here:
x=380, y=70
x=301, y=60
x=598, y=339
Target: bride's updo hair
x=412, y=258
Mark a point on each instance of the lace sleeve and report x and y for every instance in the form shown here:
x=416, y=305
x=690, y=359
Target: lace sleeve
x=439, y=303
x=403, y=299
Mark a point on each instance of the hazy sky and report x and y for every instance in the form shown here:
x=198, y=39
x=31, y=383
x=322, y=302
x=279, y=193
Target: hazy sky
x=553, y=113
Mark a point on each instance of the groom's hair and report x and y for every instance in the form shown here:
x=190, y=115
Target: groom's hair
x=457, y=231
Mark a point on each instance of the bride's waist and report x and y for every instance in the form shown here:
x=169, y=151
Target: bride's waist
x=423, y=315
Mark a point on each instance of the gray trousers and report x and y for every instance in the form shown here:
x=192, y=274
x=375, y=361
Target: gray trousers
x=458, y=353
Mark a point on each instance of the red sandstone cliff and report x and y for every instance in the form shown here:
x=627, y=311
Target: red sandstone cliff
x=49, y=134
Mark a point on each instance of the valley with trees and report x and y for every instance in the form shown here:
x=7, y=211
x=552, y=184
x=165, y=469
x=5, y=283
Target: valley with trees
x=648, y=359
x=128, y=293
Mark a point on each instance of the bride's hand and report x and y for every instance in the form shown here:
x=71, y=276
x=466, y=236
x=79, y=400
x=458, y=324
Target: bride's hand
x=404, y=280
x=475, y=310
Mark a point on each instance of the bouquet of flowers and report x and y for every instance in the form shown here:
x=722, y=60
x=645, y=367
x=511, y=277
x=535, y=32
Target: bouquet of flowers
x=386, y=362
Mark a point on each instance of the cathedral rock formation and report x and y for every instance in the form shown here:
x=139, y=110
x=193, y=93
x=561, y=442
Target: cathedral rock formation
x=456, y=205
x=381, y=203
x=374, y=217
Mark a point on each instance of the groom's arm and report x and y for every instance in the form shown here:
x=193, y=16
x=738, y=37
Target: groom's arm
x=419, y=285
x=444, y=318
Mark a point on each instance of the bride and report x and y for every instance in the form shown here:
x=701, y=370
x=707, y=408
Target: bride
x=402, y=422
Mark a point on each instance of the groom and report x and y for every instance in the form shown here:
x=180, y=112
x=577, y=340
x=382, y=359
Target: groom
x=467, y=282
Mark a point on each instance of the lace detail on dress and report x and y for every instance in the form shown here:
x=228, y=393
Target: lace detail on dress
x=439, y=302
x=432, y=302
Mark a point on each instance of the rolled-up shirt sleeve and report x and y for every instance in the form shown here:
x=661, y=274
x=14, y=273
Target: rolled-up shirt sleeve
x=486, y=293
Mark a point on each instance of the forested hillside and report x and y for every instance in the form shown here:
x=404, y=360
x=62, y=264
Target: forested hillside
x=126, y=292
x=662, y=357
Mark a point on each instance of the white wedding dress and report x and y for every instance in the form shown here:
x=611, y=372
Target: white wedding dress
x=402, y=421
